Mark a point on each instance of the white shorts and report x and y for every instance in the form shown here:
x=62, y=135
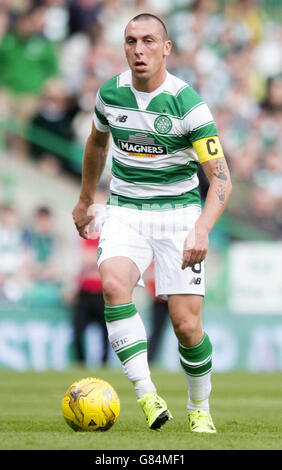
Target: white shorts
x=144, y=236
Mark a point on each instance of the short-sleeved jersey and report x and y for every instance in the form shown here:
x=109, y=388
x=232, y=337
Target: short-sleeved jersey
x=153, y=158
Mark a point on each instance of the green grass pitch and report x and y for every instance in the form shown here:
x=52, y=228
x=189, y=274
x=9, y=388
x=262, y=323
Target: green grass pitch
x=246, y=409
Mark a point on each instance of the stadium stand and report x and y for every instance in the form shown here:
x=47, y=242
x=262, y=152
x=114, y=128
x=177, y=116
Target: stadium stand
x=45, y=111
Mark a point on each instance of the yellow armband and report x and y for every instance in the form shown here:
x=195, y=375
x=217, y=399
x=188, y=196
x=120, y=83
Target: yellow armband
x=208, y=148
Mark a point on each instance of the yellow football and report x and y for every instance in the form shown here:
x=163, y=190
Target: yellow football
x=90, y=404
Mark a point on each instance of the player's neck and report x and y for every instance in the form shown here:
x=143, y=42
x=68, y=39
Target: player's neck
x=151, y=84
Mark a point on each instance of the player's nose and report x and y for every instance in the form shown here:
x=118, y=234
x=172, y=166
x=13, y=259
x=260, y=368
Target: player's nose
x=138, y=48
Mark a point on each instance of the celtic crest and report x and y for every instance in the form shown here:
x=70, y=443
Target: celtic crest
x=162, y=124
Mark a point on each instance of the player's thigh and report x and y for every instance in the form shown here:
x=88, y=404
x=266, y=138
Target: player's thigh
x=185, y=308
x=119, y=275
x=124, y=253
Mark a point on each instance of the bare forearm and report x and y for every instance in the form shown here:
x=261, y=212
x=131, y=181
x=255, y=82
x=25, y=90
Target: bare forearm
x=94, y=160
x=218, y=195
x=197, y=241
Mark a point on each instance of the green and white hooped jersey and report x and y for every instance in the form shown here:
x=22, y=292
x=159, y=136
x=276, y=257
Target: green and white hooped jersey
x=153, y=158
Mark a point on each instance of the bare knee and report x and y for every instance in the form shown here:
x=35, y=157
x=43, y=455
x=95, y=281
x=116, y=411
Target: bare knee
x=115, y=291
x=187, y=321
x=188, y=330
x=111, y=289
x=119, y=276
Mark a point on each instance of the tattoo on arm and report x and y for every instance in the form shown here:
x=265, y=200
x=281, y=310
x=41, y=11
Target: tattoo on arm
x=220, y=191
x=220, y=171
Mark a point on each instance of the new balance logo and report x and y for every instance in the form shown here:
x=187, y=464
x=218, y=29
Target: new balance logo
x=121, y=118
x=196, y=280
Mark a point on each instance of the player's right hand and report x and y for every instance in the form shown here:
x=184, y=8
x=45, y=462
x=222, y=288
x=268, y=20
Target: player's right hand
x=82, y=219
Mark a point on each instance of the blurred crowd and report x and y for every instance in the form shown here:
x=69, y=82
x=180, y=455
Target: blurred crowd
x=54, y=54
x=28, y=255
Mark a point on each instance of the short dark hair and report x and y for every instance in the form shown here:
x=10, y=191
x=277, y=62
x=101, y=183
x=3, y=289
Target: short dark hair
x=148, y=16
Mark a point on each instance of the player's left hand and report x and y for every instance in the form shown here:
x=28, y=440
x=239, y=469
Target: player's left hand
x=195, y=247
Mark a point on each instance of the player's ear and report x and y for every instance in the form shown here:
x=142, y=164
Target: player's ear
x=167, y=48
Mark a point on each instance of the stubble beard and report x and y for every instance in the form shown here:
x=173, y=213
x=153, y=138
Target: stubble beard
x=141, y=79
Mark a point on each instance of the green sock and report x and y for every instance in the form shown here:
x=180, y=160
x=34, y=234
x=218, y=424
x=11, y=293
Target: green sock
x=119, y=311
x=196, y=362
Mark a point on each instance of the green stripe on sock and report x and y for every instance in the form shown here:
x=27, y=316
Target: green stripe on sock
x=197, y=359
x=122, y=348
x=132, y=351
x=196, y=371
x=120, y=311
x=131, y=357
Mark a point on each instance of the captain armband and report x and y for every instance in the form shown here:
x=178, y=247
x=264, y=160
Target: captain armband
x=208, y=148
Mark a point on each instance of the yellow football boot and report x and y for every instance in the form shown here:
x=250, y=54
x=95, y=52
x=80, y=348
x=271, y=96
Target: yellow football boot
x=201, y=421
x=155, y=410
